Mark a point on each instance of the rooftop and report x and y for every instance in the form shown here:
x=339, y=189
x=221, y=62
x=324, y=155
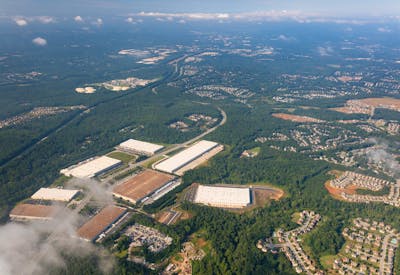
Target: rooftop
x=54, y=194
x=182, y=158
x=100, y=222
x=33, y=211
x=142, y=185
x=138, y=145
x=91, y=168
x=223, y=196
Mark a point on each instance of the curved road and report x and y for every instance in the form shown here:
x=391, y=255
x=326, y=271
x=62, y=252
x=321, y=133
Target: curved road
x=26, y=149
x=172, y=148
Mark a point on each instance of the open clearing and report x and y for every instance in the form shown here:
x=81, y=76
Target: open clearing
x=124, y=157
x=296, y=118
x=336, y=192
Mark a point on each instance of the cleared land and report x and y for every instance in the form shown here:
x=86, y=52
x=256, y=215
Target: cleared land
x=368, y=105
x=296, y=118
x=262, y=196
x=337, y=192
x=142, y=185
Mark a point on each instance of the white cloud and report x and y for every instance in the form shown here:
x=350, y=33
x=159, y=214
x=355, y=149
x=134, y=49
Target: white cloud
x=325, y=51
x=266, y=16
x=283, y=37
x=383, y=29
x=98, y=22
x=129, y=20
x=46, y=19
x=192, y=16
x=78, y=18
x=20, y=22
x=39, y=41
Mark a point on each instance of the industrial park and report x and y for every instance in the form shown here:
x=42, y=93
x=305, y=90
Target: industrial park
x=207, y=138
x=131, y=192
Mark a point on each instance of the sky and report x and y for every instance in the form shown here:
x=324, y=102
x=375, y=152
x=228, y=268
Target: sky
x=337, y=8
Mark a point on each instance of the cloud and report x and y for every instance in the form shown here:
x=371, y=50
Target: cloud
x=20, y=22
x=36, y=247
x=129, y=20
x=98, y=22
x=283, y=37
x=46, y=19
x=78, y=18
x=39, y=41
x=325, y=51
x=379, y=155
x=267, y=16
x=23, y=21
x=383, y=29
x=190, y=16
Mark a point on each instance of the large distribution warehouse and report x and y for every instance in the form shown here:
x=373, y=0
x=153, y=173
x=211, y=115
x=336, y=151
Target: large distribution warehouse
x=32, y=212
x=92, y=229
x=139, y=147
x=226, y=197
x=175, y=163
x=91, y=167
x=54, y=194
x=143, y=185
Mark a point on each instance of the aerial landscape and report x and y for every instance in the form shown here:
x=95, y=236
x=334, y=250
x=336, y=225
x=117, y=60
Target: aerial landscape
x=179, y=137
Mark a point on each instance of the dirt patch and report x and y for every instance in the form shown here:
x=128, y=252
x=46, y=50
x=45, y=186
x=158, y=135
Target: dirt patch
x=368, y=105
x=163, y=216
x=261, y=197
x=296, y=118
x=337, y=192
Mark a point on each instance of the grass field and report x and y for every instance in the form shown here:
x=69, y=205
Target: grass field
x=255, y=150
x=60, y=181
x=151, y=162
x=124, y=157
x=327, y=261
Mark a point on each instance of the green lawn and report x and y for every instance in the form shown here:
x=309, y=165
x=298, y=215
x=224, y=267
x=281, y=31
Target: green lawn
x=327, y=261
x=124, y=157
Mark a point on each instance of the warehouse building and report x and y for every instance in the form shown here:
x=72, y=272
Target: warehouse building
x=91, y=167
x=225, y=197
x=186, y=158
x=134, y=146
x=146, y=185
x=54, y=194
x=23, y=212
x=101, y=222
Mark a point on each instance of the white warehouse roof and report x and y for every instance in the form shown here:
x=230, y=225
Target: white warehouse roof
x=227, y=197
x=54, y=194
x=92, y=167
x=140, y=146
x=186, y=156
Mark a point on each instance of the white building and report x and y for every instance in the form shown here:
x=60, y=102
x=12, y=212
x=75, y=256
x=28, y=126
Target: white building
x=226, y=197
x=174, y=163
x=139, y=147
x=54, y=194
x=91, y=167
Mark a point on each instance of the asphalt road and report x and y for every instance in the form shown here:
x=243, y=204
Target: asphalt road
x=172, y=148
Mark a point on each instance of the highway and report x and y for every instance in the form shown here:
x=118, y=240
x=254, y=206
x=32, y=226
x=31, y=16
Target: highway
x=36, y=260
x=28, y=148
